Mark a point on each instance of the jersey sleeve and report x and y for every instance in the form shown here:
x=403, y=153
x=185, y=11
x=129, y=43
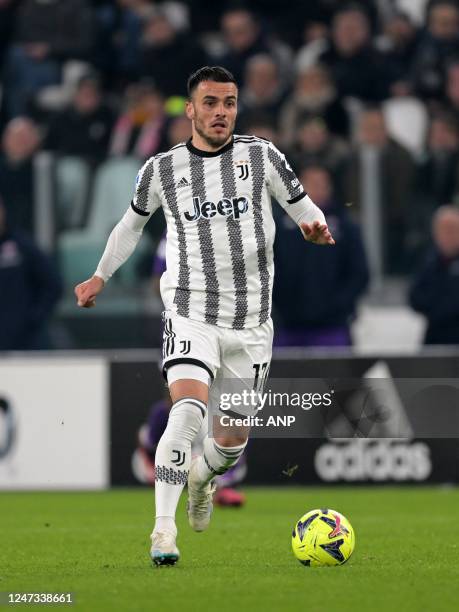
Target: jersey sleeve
x=283, y=183
x=146, y=195
x=285, y=187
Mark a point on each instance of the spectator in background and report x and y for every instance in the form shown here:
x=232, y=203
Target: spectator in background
x=315, y=39
x=178, y=130
x=314, y=95
x=244, y=38
x=315, y=145
x=139, y=130
x=390, y=170
x=398, y=45
x=261, y=125
x=20, y=142
x=435, y=290
x=357, y=68
x=7, y=16
x=30, y=287
x=436, y=181
x=262, y=91
x=452, y=89
x=84, y=128
x=48, y=33
x=116, y=52
x=316, y=290
x=168, y=55
x=437, y=46
x=438, y=169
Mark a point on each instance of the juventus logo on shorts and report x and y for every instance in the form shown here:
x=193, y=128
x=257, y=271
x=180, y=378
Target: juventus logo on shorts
x=243, y=169
x=185, y=346
x=180, y=459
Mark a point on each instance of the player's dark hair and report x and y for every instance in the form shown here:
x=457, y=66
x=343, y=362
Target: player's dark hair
x=218, y=74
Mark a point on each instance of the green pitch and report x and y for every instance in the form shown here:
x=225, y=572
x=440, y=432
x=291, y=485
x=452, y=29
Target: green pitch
x=96, y=546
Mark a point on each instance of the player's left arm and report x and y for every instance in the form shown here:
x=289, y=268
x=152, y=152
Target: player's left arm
x=285, y=187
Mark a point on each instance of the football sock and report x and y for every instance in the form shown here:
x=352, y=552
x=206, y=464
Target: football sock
x=197, y=446
x=216, y=459
x=234, y=475
x=173, y=457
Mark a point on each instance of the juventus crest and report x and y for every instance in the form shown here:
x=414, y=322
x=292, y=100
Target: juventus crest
x=242, y=168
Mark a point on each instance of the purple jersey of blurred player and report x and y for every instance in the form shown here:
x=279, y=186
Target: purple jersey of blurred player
x=159, y=260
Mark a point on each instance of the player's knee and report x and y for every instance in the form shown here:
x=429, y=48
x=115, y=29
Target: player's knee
x=185, y=418
x=188, y=405
x=188, y=380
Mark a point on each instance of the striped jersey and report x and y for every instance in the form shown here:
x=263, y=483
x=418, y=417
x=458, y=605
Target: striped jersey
x=220, y=227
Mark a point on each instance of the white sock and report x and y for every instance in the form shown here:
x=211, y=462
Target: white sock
x=197, y=446
x=216, y=459
x=173, y=457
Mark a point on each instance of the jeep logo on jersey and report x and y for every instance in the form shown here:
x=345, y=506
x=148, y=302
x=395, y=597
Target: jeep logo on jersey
x=226, y=207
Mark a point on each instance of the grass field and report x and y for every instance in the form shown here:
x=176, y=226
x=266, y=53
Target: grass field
x=96, y=546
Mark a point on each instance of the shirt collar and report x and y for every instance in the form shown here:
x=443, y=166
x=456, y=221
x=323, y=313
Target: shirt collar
x=196, y=151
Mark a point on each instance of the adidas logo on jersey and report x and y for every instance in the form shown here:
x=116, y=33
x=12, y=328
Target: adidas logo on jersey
x=226, y=207
x=183, y=183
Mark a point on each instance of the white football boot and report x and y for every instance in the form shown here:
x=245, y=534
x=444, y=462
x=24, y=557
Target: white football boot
x=163, y=548
x=199, y=507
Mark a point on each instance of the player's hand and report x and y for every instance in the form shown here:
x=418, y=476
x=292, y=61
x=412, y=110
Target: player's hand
x=86, y=292
x=317, y=232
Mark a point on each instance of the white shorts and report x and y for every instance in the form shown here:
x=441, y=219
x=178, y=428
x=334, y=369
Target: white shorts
x=228, y=355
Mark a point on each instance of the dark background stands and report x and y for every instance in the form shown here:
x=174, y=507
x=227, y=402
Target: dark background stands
x=316, y=289
x=30, y=288
x=84, y=127
x=20, y=141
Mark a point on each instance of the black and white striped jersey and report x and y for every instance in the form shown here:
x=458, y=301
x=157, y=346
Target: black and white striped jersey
x=220, y=228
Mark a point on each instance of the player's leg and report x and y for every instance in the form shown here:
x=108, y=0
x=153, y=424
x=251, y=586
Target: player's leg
x=188, y=379
x=225, y=494
x=246, y=355
x=221, y=452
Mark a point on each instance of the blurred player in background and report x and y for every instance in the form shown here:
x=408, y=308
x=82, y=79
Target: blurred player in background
x=215, y=191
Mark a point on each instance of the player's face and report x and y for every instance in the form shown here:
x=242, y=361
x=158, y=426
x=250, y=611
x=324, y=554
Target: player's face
x=213, y=110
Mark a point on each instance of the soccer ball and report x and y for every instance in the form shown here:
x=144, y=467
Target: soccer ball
x=323, y=537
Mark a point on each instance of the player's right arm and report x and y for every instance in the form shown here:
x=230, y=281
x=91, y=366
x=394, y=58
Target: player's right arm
x=124, y=236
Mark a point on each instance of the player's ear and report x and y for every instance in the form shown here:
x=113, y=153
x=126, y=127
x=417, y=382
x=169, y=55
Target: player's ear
x=189, y=109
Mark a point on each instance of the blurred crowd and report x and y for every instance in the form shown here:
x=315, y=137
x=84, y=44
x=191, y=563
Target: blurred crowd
x=362, y=97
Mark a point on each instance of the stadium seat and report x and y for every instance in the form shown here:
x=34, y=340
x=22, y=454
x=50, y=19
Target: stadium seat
x=72, y=190
x=407, y=122
x=57, y=97
x=80, y=250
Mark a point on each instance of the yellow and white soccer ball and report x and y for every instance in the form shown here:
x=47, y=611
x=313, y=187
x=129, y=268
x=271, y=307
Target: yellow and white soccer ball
x=323, y=537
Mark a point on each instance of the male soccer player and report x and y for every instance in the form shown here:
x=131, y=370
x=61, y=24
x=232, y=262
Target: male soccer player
x=215, y=191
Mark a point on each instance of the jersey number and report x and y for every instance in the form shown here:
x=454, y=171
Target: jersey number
x=261, y=374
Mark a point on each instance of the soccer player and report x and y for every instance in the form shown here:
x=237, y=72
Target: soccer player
x=215, y=191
